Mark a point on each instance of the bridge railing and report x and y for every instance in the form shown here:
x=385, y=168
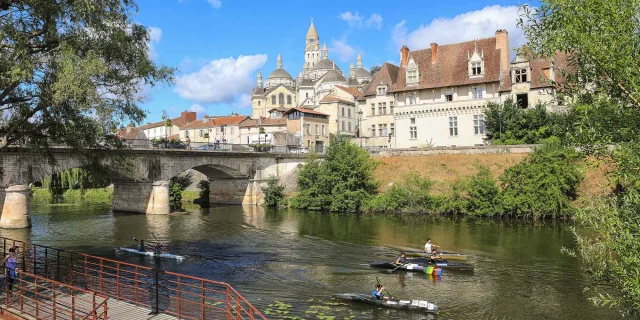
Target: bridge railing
x=219, y=146
x=43, y=298
x=181, y=295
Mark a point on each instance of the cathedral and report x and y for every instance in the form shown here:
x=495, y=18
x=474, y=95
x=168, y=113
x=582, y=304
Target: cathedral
x=317, y=79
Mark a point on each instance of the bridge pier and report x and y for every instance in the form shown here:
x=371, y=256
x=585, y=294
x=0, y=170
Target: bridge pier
x=231, y=191
x=141, y=197
x=15, y=208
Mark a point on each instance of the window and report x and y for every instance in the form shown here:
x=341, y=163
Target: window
x=289, y=99
x=478, y=124
x=273, y=99
x=343, y=112
x=281, y=98
x=323, y=129
x=380, y=108
x=412, y=72
x=258, y=102
x=380, y=130
x=412, y=99
x=448, y=95
x=349, y=126
x=522, y=100
x=349, y=112
x=343, y=125
x=231, y=130
x=382, y=91
x=384, y=108
x=201, y=133
x=477, y=93
x=216, y=131
x=186, y=133
x=393, y=130
x=373, y=130
x=413, y=130
x=476, y=68
x=307, y=95
x=521, y=75
x=308, y=128
x=391, y=107
x=316, y=129
x=385, y=132
x=453, y=126
x=373, y=109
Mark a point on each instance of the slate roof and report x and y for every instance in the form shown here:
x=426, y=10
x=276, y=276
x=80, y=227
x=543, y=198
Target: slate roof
x=330, y=98
x=388, y=74
x=333, y=76
x=325, y=64
x=305, y=110
x=353, y=91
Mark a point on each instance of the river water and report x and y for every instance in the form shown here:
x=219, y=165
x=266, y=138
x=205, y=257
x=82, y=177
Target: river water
x=296, y=260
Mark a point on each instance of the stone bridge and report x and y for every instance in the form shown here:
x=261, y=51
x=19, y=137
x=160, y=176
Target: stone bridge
x=234, y=178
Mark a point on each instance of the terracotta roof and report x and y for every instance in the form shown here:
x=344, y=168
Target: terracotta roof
x=229, y=120
x=451, y=66
x=129, y=133
x=198, y=124
x=304, y=110
x=353, y=91
x=330, y=98
x=280, y=108
x=388, y=74
x=153, y=125
x=265, y=122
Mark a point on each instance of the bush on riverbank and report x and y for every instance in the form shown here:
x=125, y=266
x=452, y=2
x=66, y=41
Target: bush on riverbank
x=92, y=195
x=411, y=195
x=343, y=182
x=273, y=192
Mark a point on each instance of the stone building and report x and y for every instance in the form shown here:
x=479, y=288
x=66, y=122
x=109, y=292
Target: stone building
x=317, y=79
x=311, y=127
x=341, y=107
x=157, y=130
x=376, y=109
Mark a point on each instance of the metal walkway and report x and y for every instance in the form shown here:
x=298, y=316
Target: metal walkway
x=59, y=284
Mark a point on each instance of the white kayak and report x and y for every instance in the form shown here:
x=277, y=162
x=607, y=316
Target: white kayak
x=151, y=254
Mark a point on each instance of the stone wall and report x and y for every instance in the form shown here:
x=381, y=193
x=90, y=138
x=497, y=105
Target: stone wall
x=492, y=149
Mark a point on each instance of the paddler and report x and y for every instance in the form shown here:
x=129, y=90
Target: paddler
x=377, y=293
x=141, y=247
x=428, y=247
x=434, y=255
x=402, y=259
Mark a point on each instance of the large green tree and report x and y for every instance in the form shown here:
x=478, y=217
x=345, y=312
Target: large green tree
x=601, y=37
x=71, y=72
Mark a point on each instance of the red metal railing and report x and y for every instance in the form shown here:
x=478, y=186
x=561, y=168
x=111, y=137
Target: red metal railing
x=43, y=298
x=181, y=295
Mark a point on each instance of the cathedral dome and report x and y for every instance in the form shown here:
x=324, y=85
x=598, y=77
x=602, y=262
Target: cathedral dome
x=279, y=73
x=333, y=76
x=362, y=73
x=325, y=64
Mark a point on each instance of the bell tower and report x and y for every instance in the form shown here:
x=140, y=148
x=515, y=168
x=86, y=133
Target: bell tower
x=312, y=48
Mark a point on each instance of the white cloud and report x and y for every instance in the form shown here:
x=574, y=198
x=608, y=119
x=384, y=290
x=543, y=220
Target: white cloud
x=155, y=35
x=243, y=102
x=463, y=27
x=200, y=110
x=356, y=20
x=375, y=21
x=215, y=3
x=342, y=49
x=221, y=80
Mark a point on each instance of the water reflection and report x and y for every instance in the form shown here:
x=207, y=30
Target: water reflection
x=302, y=258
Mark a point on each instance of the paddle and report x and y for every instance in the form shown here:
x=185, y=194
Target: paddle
x=385, y=289
x=399, y=267
x=158, y=241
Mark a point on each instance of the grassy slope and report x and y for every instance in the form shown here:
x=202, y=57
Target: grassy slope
x=447, y=168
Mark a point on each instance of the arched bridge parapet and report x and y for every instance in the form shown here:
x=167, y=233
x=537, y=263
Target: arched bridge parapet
x=234, y=177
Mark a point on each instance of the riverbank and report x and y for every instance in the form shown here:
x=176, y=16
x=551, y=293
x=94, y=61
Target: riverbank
x=96, y=195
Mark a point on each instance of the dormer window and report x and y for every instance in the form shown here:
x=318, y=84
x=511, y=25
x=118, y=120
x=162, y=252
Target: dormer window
x=448, y=95
x=476, y=64
x=520, y=75
x=413, y=75
x=382, y=90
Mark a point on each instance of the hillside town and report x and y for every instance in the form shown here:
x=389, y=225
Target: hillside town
x=435, y=97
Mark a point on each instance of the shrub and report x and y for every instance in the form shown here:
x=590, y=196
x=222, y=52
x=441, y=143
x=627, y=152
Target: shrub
x=273, y=192
x=543, y=183
x=483, y=194
x=411, y=195
x=343, y=182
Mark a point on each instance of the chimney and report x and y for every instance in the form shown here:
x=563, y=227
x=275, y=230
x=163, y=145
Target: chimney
x=434, y=52
x=404, y=56
x=188, y=116
x=502, y=43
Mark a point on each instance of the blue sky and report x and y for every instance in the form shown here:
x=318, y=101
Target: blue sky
x=219, y=46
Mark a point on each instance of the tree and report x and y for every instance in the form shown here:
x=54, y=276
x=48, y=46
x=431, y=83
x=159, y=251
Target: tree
x=343, y=182
x=602, y=39
x=375, y=70
x=273, y=192
x=72, y=73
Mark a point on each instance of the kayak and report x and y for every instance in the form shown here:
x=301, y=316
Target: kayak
x=415, y=305
x=151, y=254
x=444, y=254
x=424, y=265
x=411, y=252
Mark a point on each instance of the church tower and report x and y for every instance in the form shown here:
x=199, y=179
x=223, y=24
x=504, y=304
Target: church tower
x=312, y=48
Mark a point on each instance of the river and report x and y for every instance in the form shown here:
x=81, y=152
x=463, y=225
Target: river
x=299, y=259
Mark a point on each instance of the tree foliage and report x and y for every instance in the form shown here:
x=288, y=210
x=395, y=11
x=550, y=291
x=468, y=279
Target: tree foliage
x=412, y=195
x=273, y=192
x=343, y=182
x=72, y=72
x=375, y=70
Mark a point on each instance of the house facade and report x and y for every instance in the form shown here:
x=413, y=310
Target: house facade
x=250, y=130
x=310, y=127
x=158, y=130
x=220, y=129
x=376, y=107
x=340, y=106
